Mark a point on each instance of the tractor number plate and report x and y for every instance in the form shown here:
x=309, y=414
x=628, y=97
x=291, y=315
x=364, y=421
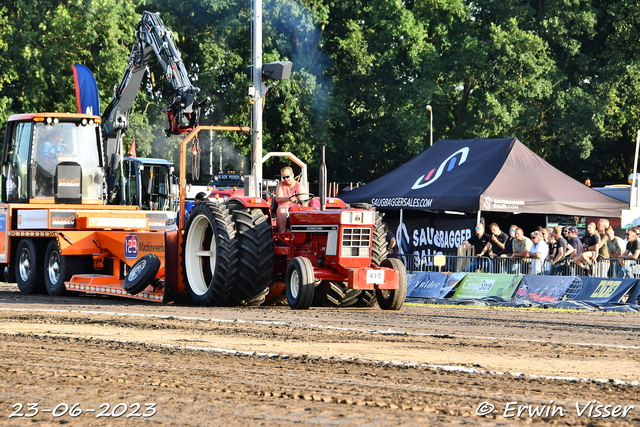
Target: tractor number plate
x=375, y=276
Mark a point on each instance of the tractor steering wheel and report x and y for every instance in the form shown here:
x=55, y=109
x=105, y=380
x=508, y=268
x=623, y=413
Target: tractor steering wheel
x=296, y=196
x=59, y=149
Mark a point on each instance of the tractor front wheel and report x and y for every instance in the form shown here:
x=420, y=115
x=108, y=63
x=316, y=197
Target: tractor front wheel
x=393, y=299
x=300, y=283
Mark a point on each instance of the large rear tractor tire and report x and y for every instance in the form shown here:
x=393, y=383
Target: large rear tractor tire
x=209, y=254
x=29, y=268
x=255, y=255
x=393, y=299
x=379, y=251
x=335, y=294
x=300, y=283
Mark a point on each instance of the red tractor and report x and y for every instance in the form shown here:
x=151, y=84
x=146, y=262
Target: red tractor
x=330, y=254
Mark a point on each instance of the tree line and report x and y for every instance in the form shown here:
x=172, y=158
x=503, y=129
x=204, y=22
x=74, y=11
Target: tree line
x=563, y=76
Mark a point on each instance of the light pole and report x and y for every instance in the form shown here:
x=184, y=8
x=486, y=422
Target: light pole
x=431, y=122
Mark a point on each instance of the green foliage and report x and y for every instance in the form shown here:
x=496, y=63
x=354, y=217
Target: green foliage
x=562, y=76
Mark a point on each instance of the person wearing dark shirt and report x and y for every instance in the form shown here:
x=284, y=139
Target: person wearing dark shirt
x=508, y=246
x=591, y=253
x=498, y=239
x=392, y=246
x=627, y=259
x=559, y=251
x=482, y=244
x=574, y=241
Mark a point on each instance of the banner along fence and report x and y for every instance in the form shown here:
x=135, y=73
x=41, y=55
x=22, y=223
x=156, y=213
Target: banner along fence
x=605, y=268
x=540, y=289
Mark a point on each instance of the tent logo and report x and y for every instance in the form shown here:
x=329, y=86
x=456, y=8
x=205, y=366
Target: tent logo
x=449, y=163
x=487, y=202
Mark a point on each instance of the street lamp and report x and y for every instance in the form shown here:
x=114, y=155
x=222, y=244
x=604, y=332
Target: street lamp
x=431, y=111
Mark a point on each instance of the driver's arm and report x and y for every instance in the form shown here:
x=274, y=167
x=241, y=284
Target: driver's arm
x=303, y=190
x=280, y=198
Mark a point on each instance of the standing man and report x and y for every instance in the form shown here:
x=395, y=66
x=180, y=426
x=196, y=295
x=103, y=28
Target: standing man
x=603, y=250
x=482, y=244
x=558, y=252
x=521, y=245
x=200, y=197
x=538, y=252
x=627, y=259
x=498, y=244
x=498, y=239
x=286, y=188
x=508, y=247
x=391, y=242
x=616, y=247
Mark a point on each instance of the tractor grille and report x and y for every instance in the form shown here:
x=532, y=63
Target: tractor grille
x=356, y=242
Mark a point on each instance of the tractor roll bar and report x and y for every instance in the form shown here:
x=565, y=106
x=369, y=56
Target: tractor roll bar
x=183, y=161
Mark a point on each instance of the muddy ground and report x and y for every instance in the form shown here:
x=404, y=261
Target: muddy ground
x=137, y=363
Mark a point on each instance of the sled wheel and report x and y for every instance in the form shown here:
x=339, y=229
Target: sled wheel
x=28, y=268
x=367, y=298
x=300, y=283
x=393, y=299
x=58, y=269
x=142, y=274
x=209, y=254
x=255, y=255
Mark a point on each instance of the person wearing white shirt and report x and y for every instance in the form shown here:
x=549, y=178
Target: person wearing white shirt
x=538, y=252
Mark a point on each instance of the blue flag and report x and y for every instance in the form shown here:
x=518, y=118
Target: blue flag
x=86, y=90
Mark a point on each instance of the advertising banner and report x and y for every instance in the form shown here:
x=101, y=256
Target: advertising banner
x=425, y=237
x=425, y=284
x=546, y=288
x=477, y=285
x=601, y=291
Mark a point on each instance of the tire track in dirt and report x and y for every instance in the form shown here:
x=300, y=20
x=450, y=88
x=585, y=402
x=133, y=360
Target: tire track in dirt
x=191, y=386
x=529, y=357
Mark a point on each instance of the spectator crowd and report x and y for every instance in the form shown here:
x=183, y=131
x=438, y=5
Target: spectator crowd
x=555, y=251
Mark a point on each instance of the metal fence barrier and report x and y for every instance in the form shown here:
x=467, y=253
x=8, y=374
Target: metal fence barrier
x=605, y=267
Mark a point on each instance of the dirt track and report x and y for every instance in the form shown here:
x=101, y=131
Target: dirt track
x=274, y=366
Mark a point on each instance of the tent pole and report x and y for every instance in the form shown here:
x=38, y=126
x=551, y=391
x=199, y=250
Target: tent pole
x=398, y=233
x=478, y=220
x=633, y=200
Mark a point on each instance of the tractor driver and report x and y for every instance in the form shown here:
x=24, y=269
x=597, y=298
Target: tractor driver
x=50, y=149
x=287, y=188
x=47, y=159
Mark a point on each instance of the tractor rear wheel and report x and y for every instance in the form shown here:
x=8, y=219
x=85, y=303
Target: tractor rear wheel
x=209, y=254
x=393, y=299
x=300, y=283
x=367, y=298
x=255, y=255
x=29, y=268
x=335, y=294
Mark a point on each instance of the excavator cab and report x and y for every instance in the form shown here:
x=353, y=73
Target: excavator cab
x=53, y=156
x=148, y=184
